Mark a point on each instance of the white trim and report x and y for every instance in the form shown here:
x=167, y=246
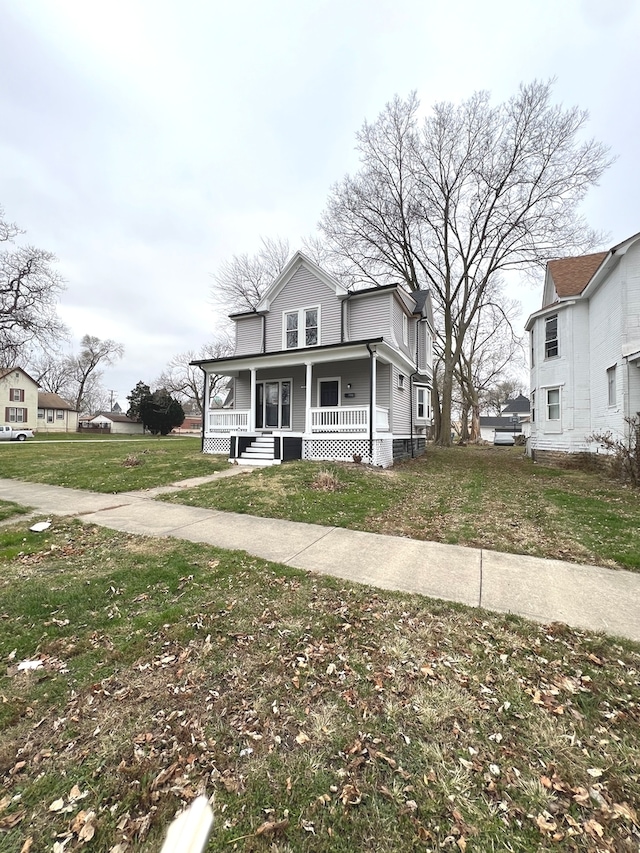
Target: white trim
x=301, y=330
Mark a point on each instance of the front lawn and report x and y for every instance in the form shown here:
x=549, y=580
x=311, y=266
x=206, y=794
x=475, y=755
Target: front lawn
x=323, y=716
x=486, y=497
x=115, y=465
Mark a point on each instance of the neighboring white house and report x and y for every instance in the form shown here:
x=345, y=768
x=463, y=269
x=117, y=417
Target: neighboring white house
x=513, y=419
x=585, y=350
x=322, y=372
x=19, y=398
x=55, y=414
x=114, y=422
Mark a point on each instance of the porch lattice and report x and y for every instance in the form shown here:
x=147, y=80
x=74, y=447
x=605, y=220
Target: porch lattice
x=216, y=445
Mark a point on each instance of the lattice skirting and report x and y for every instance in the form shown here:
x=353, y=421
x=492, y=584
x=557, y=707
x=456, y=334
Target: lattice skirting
x=219, y=444
x=344, y=449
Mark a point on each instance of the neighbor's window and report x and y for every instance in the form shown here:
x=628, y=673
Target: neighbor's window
x=59, y=415
x=16, y=416
x=533, y=349
x=611, y=385
x=551, y=336
x=41, y=413
x=553, y=404
x=533, y=407
x=16, y=395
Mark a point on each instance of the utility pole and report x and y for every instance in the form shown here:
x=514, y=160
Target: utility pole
x=111, y=393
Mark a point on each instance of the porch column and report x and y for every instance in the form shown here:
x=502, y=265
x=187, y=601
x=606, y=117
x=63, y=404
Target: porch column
x=373, y=396
x=252, y=404
x=307, y=400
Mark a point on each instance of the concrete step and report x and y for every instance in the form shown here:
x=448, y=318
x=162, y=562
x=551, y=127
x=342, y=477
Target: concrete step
x=257, y=462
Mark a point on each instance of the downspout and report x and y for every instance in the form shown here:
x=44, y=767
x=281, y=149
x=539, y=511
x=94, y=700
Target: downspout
x=416, y=372
x=342, y=317
x=371, y=363
x=264, y=333
x=205, y=405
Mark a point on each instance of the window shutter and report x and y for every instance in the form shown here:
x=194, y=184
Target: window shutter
x=22, y=395
x=6, y=414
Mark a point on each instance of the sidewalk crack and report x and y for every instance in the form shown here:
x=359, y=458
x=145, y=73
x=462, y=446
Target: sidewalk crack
x=306, y=547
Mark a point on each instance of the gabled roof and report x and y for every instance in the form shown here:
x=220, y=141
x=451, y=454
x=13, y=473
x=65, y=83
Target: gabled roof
x=53, y=401
x=297, y=261
x=519, y=404
x=116, y=417
x=5, y=371
x=571, y=275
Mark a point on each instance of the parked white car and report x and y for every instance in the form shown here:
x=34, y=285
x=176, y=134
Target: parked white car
x=9, y=433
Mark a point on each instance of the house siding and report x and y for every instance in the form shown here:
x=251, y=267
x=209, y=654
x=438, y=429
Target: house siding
x=606, y=308
x=369, y=316
x=304, y=290
x=248, y=335
x=16, y=378
x=400, y=416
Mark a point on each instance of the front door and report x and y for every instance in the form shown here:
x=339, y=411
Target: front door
x=329, y=392
x=273, y=404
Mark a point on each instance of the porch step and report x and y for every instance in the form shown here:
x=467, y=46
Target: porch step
x=259, y=453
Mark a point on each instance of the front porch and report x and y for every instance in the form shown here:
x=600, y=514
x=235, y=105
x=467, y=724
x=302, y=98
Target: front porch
x=325, y=419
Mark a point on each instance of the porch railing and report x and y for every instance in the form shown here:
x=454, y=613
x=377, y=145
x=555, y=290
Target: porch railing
x=228, y=420
x=347, y=419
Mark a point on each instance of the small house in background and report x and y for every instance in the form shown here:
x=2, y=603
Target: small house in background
x=55, y=414
x=513, y=420
x=321, y=372
x=112, y=422
x=18, y=398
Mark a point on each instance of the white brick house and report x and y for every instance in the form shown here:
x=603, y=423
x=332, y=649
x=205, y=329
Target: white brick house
x=585, y=349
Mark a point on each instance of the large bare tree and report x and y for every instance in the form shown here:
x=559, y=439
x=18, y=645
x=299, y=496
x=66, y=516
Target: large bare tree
x=452, y=200
x=29, y=291
x=186, y=381
x=241, y=281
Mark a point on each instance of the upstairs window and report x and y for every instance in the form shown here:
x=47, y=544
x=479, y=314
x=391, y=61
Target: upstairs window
x=533, y=350
x=291, y=327
x=405, y=330
x=301, y=328
x=611, y=386
x=551, y=336
x=16, y=395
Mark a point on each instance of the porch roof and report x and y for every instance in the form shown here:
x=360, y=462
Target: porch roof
x=331, y=352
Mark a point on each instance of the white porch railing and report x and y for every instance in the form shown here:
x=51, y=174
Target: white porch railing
x=228, y=420
x=347, y=419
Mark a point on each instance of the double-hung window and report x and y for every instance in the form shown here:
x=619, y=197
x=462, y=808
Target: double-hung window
x=553, y=404
x=302, y=328
x=422, y=404
x=551, y=336
x=16, y=395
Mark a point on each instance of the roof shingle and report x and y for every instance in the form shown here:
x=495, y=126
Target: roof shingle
x=571, y=275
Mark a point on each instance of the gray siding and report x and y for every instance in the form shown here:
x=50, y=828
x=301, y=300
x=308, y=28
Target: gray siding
x=397, y=314
x=248, y=335
x=304, y=290
x=401, y=424
x=370, y=316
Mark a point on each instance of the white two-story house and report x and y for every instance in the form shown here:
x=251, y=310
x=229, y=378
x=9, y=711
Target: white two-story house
x=585, y=350
x=321, y=372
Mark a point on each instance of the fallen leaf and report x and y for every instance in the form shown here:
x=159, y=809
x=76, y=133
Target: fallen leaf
x=302, y=738
x=56, y=805
x=11, y=820
x=270, y=827
x=28, y=844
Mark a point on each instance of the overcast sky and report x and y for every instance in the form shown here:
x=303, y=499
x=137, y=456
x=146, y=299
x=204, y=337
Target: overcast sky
x=145, y=141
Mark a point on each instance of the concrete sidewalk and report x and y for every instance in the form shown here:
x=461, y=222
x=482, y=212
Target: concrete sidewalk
x=545, y=590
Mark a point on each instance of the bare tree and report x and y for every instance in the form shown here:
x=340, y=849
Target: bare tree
x=29, y=290
x=491, y=349
x=471, y=191
x=186, y=381
x=240, y=282
x=84, y=373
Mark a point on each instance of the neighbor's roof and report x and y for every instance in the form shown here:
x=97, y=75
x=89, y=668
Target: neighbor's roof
x=571, y=275
x=53, y=401
x=116, y=417
x=518, y=404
